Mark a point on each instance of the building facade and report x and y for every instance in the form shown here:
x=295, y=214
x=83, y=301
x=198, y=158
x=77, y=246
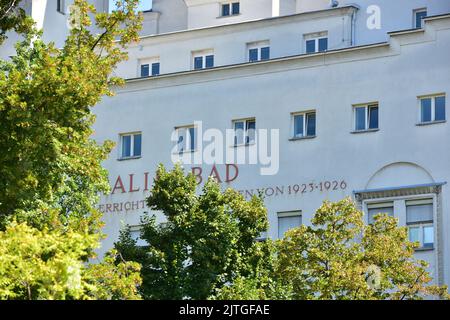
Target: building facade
x=314, y=99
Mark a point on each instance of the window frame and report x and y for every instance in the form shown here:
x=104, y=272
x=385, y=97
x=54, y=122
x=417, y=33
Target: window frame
x=61, y=6
x=367, y=107
x=288, y=214
x=258, y=46
x=433, y=108
x=305, y=115
x=230, y=9
x=421, y=225
x=132, y=155
x=245, y=132
x=150, y=62
x=415, y=12
x=187, y=144
x=203, y=54
x=316, y=43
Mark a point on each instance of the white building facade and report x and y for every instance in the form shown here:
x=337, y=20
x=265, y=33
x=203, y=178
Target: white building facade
x=353, y=95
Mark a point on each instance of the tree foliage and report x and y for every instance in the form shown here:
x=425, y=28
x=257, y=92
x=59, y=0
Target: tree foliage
x=13, y=17
x=207, y=241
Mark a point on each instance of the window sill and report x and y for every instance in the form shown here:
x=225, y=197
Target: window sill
x=229, y=16
x=185, y=151
x=420, y=124
x=364, y=131
x=423, y=249
x=302, y=138
x=129, y=158
x=243, y=145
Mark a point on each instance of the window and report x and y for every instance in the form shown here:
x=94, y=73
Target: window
x=258, y=51
x=419, y=219
x=244, y=131
x=135, y=233
x=229, y=9
x=287, y=221
x=203, y=59
x=60, y=6
x=419, y=15
x=366, y=117
x=145, y=69
x=186, y=139
x=432, y=108
x=130, y=145
x=304, y=124
x=316, y=42
x=379, y=208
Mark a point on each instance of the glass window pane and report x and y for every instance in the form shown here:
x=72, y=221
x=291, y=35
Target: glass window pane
x=155, y=69
x=181, y=139
x=360, y=118
x=310, y=46
x=419, y=213
x=235, y=8
x=144, y=70
x=414, y=234
x=225, y=10
x=298, y=125
x=265, y=53
x=419, y=18
x=238, y=132
x=198, y=62
x=323, y=44
x=425, y=109
x=311, y=124
x=250, y=130
x=209, y=61
x=287, y=223
x=253, y=55
x=126, y=146
x=439, y=108
x=373, y=117
x=374, y=211
x=191, y=138
x=137, y=145
x=428, y=236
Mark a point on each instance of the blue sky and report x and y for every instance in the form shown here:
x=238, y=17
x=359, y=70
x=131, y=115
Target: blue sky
x=143, y=4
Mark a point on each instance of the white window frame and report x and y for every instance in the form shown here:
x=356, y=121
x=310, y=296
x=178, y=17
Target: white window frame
x=257, y=45
x=202, y=54
x=366, y=107
x=316, y=36
x=245, y=132
x=305, y=123
x=187, y=142
x=422, y=224
x=132, y=156
x=433, y=108
x=150, y=62
x=230, y=3
x=288, y=214
x=415, y=12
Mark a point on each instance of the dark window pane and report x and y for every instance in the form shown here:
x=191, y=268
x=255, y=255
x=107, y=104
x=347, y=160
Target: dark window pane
x=155, y=69
x=250, y=131
x=426, y=110
x=373, y=117
x=209, y=61
x=192, y=138
x=419, y=18
x=238, y=132
x=265, y=53
x=311, y=124
x=235, y=8
x=144, y=70
x=360, y=118
x=310, y=46
x=198, y=62
x=253, y=55
x=298, y=125
x=126, y=146
x=323, y=44
x=137, y=145
x=439, y=108
x=225, y=10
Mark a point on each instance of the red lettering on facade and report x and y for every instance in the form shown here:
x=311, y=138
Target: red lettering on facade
x=118, y=185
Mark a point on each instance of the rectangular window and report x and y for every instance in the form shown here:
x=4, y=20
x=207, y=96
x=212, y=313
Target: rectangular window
x=304, y=124
x=316, y=42
x=130, y=145
x=258, y=51
x=187, y=139
x=145, y=69
x=419, y=15
x=244, y=131
x=366, y=117
x=432, y=108
x=419, y=219
x=288, y=221
x=203, y=59
x=60, y=6
x=229, y=9
x=379, y=208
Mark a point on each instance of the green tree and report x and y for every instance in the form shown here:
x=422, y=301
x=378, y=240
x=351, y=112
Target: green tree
x=50, y=167
x=13, y=17
x=340, y=257
x=208, y=239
